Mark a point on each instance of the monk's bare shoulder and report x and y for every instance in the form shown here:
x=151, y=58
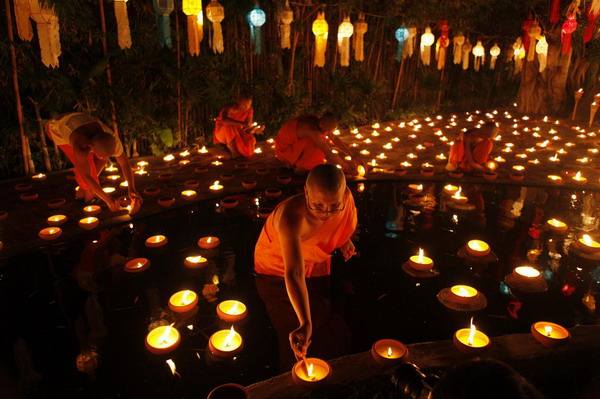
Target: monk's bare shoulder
x=291, y=215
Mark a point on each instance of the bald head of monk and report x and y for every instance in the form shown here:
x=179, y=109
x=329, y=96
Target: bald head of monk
x=103, y=144
x=328, y=122
x=324, y=191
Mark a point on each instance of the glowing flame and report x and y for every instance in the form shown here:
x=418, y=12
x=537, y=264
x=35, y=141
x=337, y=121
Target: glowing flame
x=194, y=259
x=457, y=194
x=548, y=330
x=420, y=187
x=138, y=265
x=389, y=352
x=164, y=338
x=588, y=240
x=420, y=258
x=215, y=279
x=234, y=308
x=216, y=185
x=184, y=297
x=361, y=170
x=172, y=366
x=310, y=371
x=471, y=333
x=578, y=176
x=184, y=153
x=203, y=150
x=229, y=338
x=51, y=231
x=463, y=292
x=169, y=157
x=361, y=187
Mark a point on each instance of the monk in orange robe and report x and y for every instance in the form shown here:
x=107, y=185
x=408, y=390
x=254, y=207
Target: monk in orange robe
x=235, y=127
x=298, y=237
x=303, y=143
x=472, y=148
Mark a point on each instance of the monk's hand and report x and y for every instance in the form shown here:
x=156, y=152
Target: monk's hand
x=113, y=205
x=348, y=250
x=300, y=340
x=134, y=195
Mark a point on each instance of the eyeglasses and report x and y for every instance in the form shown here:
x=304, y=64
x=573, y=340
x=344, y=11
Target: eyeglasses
x=320, y=210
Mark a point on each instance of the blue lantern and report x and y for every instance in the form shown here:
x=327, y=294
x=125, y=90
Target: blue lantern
x=163, y=9
x=401, y=35
x=256, y=18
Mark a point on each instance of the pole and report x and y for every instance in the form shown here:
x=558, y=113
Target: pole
x=398, y=83
x=178, y=42
x=108, y=73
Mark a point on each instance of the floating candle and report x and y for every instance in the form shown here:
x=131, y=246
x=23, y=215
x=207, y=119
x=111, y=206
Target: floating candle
x=579, y=179
x=50, y=233
x=39, y=176
x=311, y=372
x=478, y=248
x=556, y=225
x=588, y=245
x=195, y=262
x=459, y=198
x=137, y=265
x=420, y=262
x=232, y=311
x=88, y=223
x=56, y=220
x=389, y=352
x=183, y=301
x=549, y=334
x=470, y=340
x=92, y=210
x=216, y=186
x=225, y=343
x=156, y=241
x=188, y=195
x=162, y=340
x=208, y=242
x=555, y=179
x=450, y=189
x=463, y=294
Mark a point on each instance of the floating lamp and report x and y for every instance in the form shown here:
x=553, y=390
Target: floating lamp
x=56, y=220
x=556, y=225
x=232, y=311
x=137, y=265
x=195, y=262
x=188, y=195
x=555, y=179
x=459, y=198
x=216, y=186
x=156, y=241
x=420, y=262
x=588, y=245
x=389, y=352
x=183, y=301
x=208, y=242
x=478, y=248
x=311, y=372
x=549, y=334
x=88, y=223
x=463, y=294
x=470, y=340
x=39, y=176
x=162, y=340
x=450, y=189
x=579, y=179
x=225, y=343
x=50, y=233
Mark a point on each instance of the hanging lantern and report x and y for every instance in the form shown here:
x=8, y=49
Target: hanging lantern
x=256, y=19
x=568, y=28
x=123, y=32
x=163, y=9
x=458, y=42
x=554, y=11
x=466, y=52
x=216, y=14
x=411, y=42
x=193, y=10
x=518, y=54
x=427, y=39
x=48, y=31
x=525, y=28
x=534, y=32
x=442, y=45
x=360, y=28
x=345, y=31
x=592, y=15
x=541, y=48
x=402, y=34
x=22, y=12
x=286, y=17
x=320, y=29
x=494, y=52
x=479, y=53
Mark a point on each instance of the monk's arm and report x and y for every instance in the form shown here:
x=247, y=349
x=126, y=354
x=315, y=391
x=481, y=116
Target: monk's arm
x=126, y=169
x=322, y=145
x=356, y=158
x=469, y=155
x=82, y=164
x=227, y=120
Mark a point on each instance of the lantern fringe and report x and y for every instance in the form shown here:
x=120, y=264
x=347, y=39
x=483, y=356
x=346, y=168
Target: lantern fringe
x=458, y=42
x=124, y=33
x=466, y=52
x=24, y=27
x=400, y=50
x=163, y=23
x=285, y=30
x=194, y=34
x=286, y=16
x=256, y=38
x=410, y=42
x=360, y=28
x=217, y=39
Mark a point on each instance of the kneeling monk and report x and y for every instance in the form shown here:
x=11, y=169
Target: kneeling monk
x=235, y=128
x=88, y=144
x=302, y=143
x=472, y=148
x=299, y=235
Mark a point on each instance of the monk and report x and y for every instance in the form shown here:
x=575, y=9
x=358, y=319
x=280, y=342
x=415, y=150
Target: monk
x=235, y=127
x=302, y=144
x=472, y=148
x=299, y=235
x=88, y=144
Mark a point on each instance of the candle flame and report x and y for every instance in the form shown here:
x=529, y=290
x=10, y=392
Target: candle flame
x=577, y=176
x=184, y=297
x=389, y=352
x=208, y=241
x=172, y=366
x=587, y=240
x=51, y=231
x=169, y=157
x=234, y=308
x=194, y=259
x=361, y=170
x=229, y=338
x=164, y=338
x=548, y=330
x=492, y=165
x=420, y=259
x=471, y=333
x=215, y=279
x=457, y=194
x=138, y=265
x=310, y=371
x=420, y=187
x=462, y=292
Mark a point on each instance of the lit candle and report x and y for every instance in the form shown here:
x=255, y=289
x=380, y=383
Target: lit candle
x=184, y=154
x=56, y=220
x=111, y=168
x=188, y=195
x=113, y=177
x=232, y=311
x=195, y=262
x=588, y=245
x=361, y=171
x=478, y=248
x=162, y=340
x=208, y=242
x=389, y=352
x=463, y=294
x=549, y=334
x=202, y=150
x=156, y=241
x=450, y=189
x=137, y=265
x=225, y=343
x=109, y=190
x=142, y=164
x=579, y=179
x=217, y=163
x=525, y=273
x=420, y=261
x=39, y=176
x=556, y=225
x=555, y=179
x=441, y=157
x=92, y=210
x=470, y=340
x=459, y=198
x=169, y=158
x=88, y=223
x=216, y=186
x=183, y=301
x=415, y=188
x=184, y=162
x=50, y=233
x=311, y=372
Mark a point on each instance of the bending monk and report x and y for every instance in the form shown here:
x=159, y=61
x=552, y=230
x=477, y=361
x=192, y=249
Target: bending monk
x=472, y=148
x=235, y=127
x=299, y=235
x=88, y=144
x=302, y=144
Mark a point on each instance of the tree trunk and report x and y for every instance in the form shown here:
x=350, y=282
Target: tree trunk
x=42, y=135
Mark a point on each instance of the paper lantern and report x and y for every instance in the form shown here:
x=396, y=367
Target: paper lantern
x=518, y=54
x=123, y=32
x=541, y=49
x=479, y=53
x=427, y=39
x=442, y=45
x=466, y=53
x=593, y=13
x=22, y=12
x=256, y=19
x=410, y=42
x=163, y=9
x=525, y=26
x=494, y=53
x=534, y=32
x=360, y=28
x=402, y=34
x=320, y=29
x=193, y=10
x=458, y=42
x=48, y=30
x=568, y=28
x=345, y=31
x=286, y=16
x=216, y=14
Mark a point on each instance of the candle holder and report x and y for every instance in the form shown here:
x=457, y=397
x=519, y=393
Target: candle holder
x=587, y=245
x=225, y=343
x=56, y=203
x=415, y=188
x=556, y=226
x=311, y=373
x=163, y=340
x=516, y=176
x=166, y=202
x=284, y=179
x=226, y=177
x=462, y=298
x=399, y=171
x=471, y=341
x=416, y=198
x=137, y=265
x=241, y=166
x=450, y=189
x=209, y=242
x=201, y=169
x=477, y=248
x=27, y=197
x=89, y=223
x=188, y=195
x=526, y=279
x=165, y=176
x=92, y=210
x=56, y=220
x=216, y=186
x=550, y=334
x=555, y=179
x=249, y=184
x=264, y=213
x=195, y=262
x=579, y=179
x=50, y=233
x=456, y=174
x=183, y=301
x=232, y=311
x=262, y=171
x=23, y=186
x=428, y=172
x=273, y=192
x=191, y=184
x=229, y=391
x=156, y=241
x=389, y=352
x=152, y=191
x=229, y=202
x=490, y=175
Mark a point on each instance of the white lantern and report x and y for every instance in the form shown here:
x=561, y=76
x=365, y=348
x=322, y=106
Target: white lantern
x=286, y=16
x=427, y=39
x=48, y=30
x=494, y=52
x=215, y=13
x=360, y=28
x=345, y=31
x=541, y=48
x=479, y=53
x=458, y=42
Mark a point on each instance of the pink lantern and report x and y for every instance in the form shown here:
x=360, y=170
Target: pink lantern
x=568, y=28
x=525, y=27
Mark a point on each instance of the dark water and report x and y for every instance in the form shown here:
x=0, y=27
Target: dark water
x=73, y=306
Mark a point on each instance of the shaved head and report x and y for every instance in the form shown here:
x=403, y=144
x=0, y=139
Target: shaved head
x=104, y=144
x=328, y=122
x=326, y=178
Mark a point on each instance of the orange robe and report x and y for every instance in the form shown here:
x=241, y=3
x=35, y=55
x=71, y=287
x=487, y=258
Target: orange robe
x=302, y=153
x=268, y=257
x=480, y=153
x=244, y=142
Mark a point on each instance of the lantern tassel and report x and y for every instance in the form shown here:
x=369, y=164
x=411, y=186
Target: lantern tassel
x=256, y=37
x=24, y=27
x=194, y=38
x=410, y=42
x=400, y=50
x=285, y=30
x=163, y=23
x=124, y=33
x=217, y=40
x=591, y=25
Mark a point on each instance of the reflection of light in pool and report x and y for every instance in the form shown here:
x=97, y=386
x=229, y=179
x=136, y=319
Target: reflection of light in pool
x=391, y=235
x=504, y=290
x=391, y=225
x=547, y=274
